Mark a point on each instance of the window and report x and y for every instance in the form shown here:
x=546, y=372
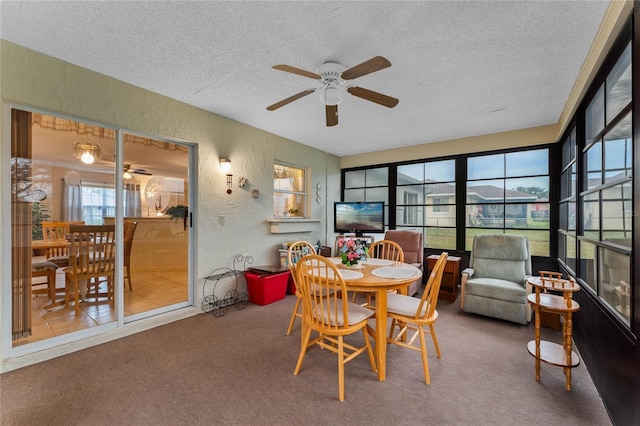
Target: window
x=369, y=185
x=440, y=205
x=509, y=193
x=567, y=248
x=289, y=191
x=425, y=198
x=605, y=204
x=98, y=201
x=411, y=212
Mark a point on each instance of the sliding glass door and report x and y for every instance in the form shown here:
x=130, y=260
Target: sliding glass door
x=156, y=198
x=65, y=172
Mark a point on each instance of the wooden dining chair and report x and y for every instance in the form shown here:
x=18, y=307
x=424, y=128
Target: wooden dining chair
x=297, y=251
x=330, y=315
x=48, y=270
x=386, y=249
x=92, y=254
x=383, y=249
x=57, y=231
x=409, y=313
x=129, y=231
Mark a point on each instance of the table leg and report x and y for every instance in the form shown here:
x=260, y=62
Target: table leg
x=567, y=332
x=84, y=285
x=381, y=333
x=537, y=331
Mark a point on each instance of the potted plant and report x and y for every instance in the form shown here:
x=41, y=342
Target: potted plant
x=180, y=211
x=293, y=212
x=39, y=214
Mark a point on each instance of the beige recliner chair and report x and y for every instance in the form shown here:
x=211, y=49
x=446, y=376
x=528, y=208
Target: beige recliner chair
x=495, y=284
x=413, y=249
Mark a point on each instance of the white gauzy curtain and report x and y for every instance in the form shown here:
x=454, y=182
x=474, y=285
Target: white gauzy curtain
x=132, y=200
x=72, y=198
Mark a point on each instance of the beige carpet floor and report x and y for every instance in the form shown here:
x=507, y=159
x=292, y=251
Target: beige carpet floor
x=238, y=370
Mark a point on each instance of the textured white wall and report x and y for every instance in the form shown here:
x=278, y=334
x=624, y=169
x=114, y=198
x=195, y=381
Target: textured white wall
x=35, y=80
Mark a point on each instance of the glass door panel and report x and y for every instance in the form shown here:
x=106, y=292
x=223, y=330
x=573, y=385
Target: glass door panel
x=156, y=196
x=62, y=173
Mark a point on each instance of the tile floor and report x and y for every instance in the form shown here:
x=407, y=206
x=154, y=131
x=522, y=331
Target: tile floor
x=151, y=290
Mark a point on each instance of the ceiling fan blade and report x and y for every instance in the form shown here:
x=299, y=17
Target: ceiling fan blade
x=372, y=65
x=141, y=172
x=332, y=115
x=289, y=99
x=372, y=96
x=294, y=70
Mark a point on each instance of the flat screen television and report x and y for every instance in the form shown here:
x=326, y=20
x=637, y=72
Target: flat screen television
x=359, y=217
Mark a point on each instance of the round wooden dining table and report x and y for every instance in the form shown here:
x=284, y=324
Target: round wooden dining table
x=379, y=276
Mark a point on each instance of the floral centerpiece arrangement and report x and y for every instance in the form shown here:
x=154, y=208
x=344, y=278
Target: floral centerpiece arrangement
x=352, y=250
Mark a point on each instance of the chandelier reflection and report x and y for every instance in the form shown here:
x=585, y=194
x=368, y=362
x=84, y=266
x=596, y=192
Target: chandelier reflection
x=88, y=153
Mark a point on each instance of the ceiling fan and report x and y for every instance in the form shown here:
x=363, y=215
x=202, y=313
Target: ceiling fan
x=138, y=171
x=334, y=80
x=127, y=171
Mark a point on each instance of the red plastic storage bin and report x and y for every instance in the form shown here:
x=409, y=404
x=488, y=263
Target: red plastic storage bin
x=267, y=288
x=291, y=285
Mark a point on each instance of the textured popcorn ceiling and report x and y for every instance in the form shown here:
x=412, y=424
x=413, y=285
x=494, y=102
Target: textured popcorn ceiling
x=459, y=68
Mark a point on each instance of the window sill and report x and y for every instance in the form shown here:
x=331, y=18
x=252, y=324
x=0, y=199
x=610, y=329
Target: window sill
x=287, y=225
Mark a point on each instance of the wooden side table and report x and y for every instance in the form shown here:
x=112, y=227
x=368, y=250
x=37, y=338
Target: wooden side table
x=450, y=277
x=562, y=304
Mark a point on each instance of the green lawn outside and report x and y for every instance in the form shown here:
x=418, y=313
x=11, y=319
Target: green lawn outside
x=445, y=238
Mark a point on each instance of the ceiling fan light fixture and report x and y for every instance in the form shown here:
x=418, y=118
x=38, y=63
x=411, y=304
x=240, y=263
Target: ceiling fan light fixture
x=88, y=153
x=334, y=79
x=127, y=176
x=332, y=96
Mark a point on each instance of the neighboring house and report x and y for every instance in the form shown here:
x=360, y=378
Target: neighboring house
x=493, y=203
x=486, y=204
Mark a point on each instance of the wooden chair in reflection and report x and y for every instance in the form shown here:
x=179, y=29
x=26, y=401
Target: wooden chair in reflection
x=152, y=234
x=412, y=314
x=57, y=231
x=180, y=237
x=333, y=317
x=297, y=251
x=383, y=249
x=92, y=256
x=129, y=231
x=48, y=270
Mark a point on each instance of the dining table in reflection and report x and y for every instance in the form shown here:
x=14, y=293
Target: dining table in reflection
x=379, y=276
x=49, y=244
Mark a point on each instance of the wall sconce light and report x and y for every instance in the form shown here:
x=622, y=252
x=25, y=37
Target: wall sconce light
x=88, y=153
x=225, y=165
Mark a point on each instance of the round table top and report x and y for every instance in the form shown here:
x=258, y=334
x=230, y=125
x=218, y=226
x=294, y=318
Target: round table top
x=374, y=273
